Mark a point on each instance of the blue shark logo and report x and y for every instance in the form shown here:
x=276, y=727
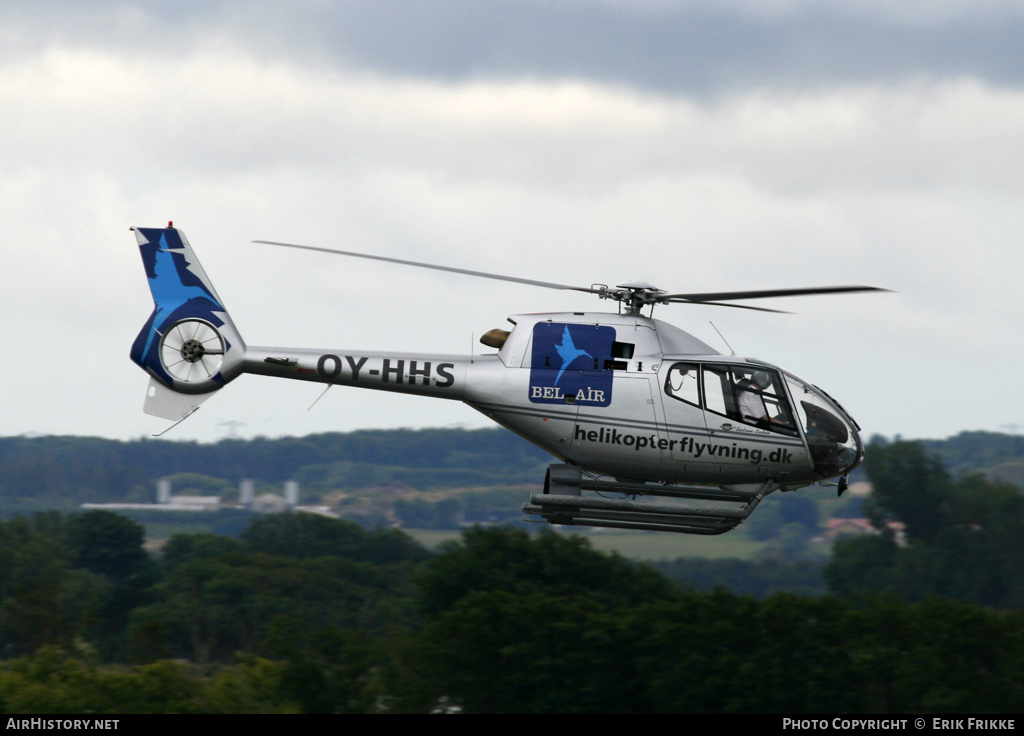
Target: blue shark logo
x=568, y=364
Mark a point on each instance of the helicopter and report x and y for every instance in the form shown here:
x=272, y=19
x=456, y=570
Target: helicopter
x=655, y=429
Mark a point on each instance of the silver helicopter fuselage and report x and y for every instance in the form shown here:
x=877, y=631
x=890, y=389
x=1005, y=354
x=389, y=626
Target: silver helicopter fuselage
x=603, y=411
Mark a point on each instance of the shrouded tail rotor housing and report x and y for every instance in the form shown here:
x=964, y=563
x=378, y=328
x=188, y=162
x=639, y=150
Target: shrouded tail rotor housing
x=192, y=351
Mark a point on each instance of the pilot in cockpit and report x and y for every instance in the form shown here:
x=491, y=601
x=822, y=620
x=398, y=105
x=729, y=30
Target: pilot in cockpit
x=752, y=406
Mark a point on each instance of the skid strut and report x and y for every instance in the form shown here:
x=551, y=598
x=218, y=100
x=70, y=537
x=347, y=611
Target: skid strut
x=719, y=509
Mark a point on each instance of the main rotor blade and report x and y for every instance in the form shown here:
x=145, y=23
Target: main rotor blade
x=730, y=295
x=722, y=304
x=466, y=271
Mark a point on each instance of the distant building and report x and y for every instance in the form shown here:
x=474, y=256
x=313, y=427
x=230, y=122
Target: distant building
x=266, y=503
x=165, y=501
x=269, y=503
x=848, y=528
x=245, y=493
x=836, y=528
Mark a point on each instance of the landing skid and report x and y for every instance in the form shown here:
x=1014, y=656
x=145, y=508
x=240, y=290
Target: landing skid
x=720, y=509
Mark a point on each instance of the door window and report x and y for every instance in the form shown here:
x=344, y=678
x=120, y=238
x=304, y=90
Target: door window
x=681, y=383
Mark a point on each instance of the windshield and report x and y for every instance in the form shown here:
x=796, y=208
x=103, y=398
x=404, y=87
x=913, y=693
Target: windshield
x=831, y=433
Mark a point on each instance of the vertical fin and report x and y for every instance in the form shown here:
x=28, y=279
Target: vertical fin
x=189, y=345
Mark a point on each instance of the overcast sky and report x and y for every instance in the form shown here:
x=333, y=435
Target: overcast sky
x=702, y=146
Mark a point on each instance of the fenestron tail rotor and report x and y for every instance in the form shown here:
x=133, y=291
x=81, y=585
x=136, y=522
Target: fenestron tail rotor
x=633, y=295
x=192, y=351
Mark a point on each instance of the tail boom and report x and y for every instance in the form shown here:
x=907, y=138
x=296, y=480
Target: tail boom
x=190, y=348
x=438, y=376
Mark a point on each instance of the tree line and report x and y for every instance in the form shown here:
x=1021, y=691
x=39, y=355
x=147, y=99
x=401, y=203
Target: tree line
x=300, y=613
x=308, y=614
x=66, y=471
x=963, y=536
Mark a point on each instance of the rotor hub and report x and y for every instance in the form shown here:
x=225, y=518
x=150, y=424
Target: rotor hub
x=634, y=295
x=193, y=351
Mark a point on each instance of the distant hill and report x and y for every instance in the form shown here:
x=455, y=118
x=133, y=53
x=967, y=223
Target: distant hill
x=1008, y=473
x=981, y=451
x=66, y=471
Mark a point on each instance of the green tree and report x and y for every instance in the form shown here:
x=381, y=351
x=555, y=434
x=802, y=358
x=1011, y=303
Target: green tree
x=255, y=685
x=908, y=485
x=112, y=546
x=310, y=535
x=972, y=550
x=184, y=548
x=50, y=682
x=107, y=544
x=209, y=609
x=325, y=670
x=497, y=651
x=861, y=563
x=43, y=599
x=159, y=687
x=500, y=558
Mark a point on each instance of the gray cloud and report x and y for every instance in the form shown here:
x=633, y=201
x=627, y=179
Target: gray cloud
x=694, y=48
